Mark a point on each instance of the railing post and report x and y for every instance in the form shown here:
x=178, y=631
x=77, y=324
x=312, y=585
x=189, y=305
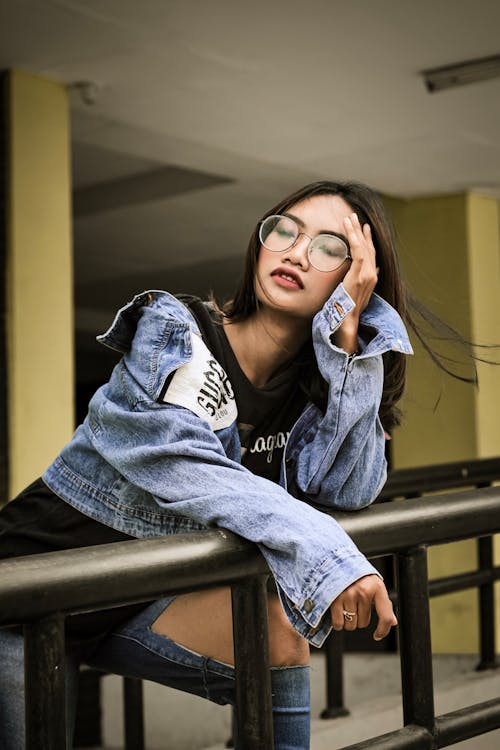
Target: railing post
x=251, y=658
x=415, y=638
x=486, y=606
x=45, y=685
x=133, y=705
x=334, y=677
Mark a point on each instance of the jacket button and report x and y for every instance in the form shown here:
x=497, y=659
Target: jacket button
x=308, y=605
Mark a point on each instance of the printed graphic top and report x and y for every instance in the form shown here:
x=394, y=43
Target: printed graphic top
x=265, y=415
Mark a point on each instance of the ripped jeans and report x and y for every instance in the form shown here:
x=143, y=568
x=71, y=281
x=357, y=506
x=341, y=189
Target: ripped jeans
x=135, y=650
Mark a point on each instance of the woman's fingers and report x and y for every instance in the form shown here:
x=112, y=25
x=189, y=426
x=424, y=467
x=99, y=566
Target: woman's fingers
x=337, y=613
x=386, y=617
x=360, y=237
x=352, y=608
x=361, y=278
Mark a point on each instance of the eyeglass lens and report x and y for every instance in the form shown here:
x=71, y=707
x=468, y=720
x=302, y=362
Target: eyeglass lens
x=326, y=252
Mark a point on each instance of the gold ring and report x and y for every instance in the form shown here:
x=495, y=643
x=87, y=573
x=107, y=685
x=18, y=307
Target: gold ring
x=348, y=616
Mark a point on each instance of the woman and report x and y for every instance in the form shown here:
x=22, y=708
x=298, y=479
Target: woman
x=235, y=418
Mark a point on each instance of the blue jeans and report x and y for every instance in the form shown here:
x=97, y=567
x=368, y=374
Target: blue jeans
x=12, y=736
x=135, y=650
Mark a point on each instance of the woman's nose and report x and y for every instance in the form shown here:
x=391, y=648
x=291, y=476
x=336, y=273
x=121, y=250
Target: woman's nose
x=298, y=252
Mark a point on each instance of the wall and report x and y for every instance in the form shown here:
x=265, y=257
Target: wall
x=40, y=376
x=450, y=252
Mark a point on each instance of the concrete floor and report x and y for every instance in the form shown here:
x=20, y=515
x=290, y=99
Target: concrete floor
x=176, y=721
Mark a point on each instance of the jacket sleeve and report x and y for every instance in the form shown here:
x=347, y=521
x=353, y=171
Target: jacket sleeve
x=173, y=454
x=337, y=459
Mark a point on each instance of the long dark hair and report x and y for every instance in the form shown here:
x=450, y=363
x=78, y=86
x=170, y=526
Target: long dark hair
x=390, y=286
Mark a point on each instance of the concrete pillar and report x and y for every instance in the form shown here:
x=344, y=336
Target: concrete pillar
x=450, y=252
x=38, y=258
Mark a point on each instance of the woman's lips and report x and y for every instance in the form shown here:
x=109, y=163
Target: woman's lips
x=287, y=278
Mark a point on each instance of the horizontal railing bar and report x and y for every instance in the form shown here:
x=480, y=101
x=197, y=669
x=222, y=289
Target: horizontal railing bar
x=459, y=582
x=462, y=581
x=410, y=737
x=453, y=727
x=468, y=722
x=433, y=519
x=414, y=481
x=108, y=575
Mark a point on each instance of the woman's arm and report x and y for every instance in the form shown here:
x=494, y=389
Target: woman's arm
x=337, y=457
x=171, y=453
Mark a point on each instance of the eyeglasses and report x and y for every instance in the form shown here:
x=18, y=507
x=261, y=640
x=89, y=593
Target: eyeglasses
x=326, y=252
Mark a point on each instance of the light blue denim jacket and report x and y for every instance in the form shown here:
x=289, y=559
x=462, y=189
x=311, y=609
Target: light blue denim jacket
x=159, y=451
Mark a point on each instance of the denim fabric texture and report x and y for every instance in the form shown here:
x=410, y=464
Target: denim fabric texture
x=135, y=650
x=159, y=451
x=12, y=719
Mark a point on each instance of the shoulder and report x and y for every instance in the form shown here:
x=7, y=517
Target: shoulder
x=153, y=308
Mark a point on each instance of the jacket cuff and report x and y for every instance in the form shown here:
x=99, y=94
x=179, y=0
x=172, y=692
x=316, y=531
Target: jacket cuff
x=310, y=616
x=337, y=307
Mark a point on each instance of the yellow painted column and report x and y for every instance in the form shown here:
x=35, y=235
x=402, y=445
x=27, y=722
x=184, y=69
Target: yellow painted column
x=450, y=252
x=40, y=377
x=483, y=227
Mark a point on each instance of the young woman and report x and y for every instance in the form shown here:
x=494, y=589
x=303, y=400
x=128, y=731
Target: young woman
x=236, y=417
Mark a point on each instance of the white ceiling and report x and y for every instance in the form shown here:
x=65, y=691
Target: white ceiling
x=255, y=99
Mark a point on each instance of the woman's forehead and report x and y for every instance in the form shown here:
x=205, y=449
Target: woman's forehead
x=324, y=210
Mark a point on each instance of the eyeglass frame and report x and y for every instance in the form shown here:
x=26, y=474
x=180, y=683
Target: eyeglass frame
x=311, y=240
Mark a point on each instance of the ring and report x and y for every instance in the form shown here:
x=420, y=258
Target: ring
x=348, y=615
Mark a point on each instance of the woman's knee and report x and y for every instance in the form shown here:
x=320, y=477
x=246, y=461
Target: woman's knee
x=288, y=653
x=286, y=647
x=202, y=621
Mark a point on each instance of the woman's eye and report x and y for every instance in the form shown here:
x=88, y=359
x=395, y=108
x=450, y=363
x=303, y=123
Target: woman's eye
x=284, y=232
x=332, y=251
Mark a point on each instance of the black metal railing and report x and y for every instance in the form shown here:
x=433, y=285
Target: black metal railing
x=41, y=590
x=412, y=483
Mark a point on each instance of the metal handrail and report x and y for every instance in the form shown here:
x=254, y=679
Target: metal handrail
x=411, y=483
x=423, y=479
x=38, y=588
x=107, y=575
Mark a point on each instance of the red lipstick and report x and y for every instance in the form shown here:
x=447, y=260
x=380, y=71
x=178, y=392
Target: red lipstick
x=287, y=278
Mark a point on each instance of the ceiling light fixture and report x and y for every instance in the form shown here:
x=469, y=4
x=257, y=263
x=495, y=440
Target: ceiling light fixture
x=88, y=91
x=460, y=74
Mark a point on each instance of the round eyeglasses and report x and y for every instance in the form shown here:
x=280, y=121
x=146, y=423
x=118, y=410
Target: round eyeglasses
x=326, y=252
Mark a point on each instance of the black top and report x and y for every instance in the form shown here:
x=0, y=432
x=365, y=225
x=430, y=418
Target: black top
x=265, y=415
x=38, y=520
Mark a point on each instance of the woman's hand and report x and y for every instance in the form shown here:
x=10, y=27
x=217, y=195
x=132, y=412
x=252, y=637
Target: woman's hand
x=352, y=608
x=359, y=281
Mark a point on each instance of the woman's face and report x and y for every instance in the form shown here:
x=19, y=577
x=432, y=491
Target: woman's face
x=285, y=280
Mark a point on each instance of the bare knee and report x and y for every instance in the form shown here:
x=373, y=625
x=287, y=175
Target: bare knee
x=286, y=647
x=289, y=655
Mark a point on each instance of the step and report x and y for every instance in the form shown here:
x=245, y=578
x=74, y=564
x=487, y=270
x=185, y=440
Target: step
x=177, y=721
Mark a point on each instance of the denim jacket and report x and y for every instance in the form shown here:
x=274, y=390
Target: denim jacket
x=159, y=452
